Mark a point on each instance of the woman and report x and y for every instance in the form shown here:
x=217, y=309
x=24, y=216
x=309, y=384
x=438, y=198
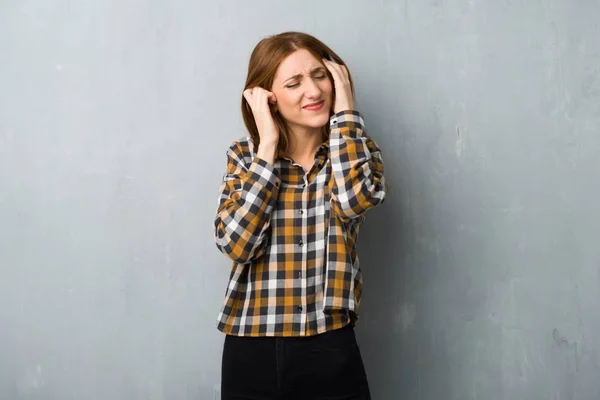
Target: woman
x=291, y=203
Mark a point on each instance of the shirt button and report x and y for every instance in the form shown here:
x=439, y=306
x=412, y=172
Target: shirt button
x=301, y=211
x=301, y=243
x=300, y=275
x=299, y=308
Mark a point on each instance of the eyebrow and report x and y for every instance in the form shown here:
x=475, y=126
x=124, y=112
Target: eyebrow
x=298, y=76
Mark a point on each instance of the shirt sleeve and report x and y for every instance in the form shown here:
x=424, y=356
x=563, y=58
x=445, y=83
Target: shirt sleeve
x=357, y=166
x=247, y=196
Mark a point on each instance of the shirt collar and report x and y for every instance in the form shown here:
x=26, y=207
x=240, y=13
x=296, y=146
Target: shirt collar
x=323, y=148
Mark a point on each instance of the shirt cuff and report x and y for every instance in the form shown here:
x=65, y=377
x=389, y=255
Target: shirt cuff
x=347, y=118
x=264, y=173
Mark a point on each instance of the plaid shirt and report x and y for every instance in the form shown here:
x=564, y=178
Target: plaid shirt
x=291, y=234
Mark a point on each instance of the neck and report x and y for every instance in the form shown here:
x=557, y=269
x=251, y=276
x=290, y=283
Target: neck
x=303, y=143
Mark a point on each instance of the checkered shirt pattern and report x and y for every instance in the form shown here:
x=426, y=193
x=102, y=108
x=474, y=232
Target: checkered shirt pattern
x=291, y=234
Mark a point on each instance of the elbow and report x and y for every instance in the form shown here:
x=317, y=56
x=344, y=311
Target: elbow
x=353, y=206
x=233, y=246
x=346, y=209
x=234, y=254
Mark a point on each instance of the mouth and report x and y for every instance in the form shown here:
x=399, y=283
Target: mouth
x=314, y=106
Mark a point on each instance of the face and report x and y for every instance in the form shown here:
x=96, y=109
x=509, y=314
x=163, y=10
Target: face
x=303, y=91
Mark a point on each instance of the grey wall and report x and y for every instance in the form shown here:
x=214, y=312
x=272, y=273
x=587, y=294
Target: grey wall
x=481, y=269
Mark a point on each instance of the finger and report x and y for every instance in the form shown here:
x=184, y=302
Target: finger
x=253, y=97
x=342, y=70
x=263, y=99
x=327, y=64
x=248, y=96
x=259, y=96
x=345, y=71
x=331, y=62
x=266, y=95
x=334, y=70
x=335, y=66
x=260, y=93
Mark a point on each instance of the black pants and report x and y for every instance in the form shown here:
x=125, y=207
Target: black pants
x=326, y=366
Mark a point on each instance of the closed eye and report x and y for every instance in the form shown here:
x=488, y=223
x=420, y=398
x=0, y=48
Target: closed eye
x=318, y=73
x=295, y=85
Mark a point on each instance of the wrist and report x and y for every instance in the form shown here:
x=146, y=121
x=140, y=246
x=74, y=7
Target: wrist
x=270, y=141
x=344, y=107
x=267, y=150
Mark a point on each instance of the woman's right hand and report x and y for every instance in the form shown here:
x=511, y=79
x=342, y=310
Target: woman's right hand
x=259, y=99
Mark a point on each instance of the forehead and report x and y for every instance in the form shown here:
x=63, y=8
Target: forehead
x=301, y=61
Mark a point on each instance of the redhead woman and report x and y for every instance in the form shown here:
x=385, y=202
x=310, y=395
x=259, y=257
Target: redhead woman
x=293, y=198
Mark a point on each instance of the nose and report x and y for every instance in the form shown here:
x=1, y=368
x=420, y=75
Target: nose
x=312, y=89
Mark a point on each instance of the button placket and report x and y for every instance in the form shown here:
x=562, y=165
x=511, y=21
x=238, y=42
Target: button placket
x=302, y=215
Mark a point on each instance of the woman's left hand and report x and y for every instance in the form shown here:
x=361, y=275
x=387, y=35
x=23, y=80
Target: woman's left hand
x=343, y=91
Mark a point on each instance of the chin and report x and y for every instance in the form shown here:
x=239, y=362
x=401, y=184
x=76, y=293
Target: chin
x=317, y=121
